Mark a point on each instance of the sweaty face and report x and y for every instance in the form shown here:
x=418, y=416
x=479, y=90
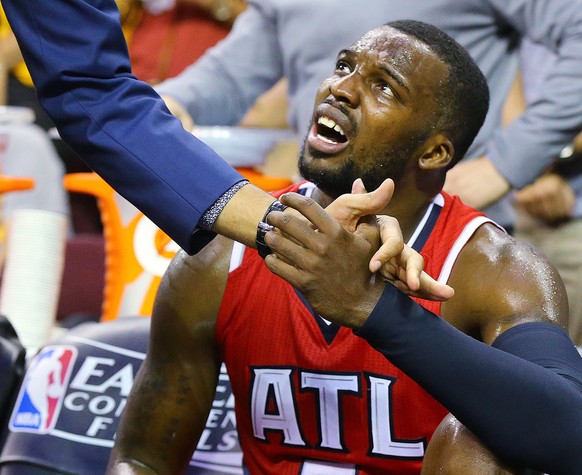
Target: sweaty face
x=373, y=114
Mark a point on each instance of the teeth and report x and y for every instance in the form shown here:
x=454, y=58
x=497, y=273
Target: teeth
x=330, y=123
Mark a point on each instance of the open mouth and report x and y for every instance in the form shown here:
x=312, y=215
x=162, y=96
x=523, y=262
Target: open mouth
x=329, y=131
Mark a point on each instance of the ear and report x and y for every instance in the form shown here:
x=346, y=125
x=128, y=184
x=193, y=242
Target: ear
x=438, y=151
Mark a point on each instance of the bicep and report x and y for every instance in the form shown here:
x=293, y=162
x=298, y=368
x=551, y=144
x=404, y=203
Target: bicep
x=502, y=283
x=526, y=292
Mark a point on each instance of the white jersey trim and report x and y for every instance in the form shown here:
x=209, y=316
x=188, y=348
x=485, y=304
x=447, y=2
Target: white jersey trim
x=236, y=256
x=463, y=238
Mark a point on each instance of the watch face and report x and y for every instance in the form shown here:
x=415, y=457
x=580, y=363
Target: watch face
x=262, y=229
x=274, y=206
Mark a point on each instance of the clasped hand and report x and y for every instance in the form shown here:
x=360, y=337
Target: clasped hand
x=341, y=257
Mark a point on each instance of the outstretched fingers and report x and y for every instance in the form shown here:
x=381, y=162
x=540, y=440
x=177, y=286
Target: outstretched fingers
x=405, y=272
x=392, y=243
x=430, y=289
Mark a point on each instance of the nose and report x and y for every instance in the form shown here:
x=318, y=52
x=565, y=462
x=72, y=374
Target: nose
x=345, y=89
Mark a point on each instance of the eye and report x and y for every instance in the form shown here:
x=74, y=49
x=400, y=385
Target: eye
x=342, y=67
x=385, y=89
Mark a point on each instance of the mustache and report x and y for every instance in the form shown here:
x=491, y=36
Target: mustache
x=338, y=105
x=344, y=109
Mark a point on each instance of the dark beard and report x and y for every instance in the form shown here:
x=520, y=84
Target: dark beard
x=337, y=182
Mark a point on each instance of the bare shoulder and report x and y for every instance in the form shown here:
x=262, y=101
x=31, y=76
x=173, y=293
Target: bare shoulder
x=501, y=282
x=193, y=286
x=211, y=262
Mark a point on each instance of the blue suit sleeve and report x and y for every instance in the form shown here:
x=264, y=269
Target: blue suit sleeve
x=522, y=396
x=78, y=60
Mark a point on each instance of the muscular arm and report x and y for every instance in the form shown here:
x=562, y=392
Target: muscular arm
x=453, y=449
x=503, y=282
x=523, y=396
x=174, y=388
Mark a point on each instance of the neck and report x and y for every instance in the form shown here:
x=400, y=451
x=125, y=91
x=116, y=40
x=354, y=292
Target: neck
x=408, y=213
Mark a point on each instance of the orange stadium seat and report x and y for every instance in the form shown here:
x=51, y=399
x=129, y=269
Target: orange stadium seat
x=11, y=183
x=137, y=252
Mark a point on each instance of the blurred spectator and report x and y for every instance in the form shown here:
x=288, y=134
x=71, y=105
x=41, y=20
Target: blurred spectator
x=274, y=39
x=165, y=36
x=549, y=211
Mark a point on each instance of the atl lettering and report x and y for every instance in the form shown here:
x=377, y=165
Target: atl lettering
x=274, y=386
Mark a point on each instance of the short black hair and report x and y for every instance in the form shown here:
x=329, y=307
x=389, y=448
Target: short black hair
x=464, y=96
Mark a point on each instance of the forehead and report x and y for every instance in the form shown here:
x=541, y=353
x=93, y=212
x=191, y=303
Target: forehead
x=401, y=51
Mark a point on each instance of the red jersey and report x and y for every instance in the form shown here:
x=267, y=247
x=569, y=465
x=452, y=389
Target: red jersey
x=314, y=399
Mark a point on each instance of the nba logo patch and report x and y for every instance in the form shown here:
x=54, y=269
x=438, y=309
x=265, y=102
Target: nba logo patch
x=43, y=390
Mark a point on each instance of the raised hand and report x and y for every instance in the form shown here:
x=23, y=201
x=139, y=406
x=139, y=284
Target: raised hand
x=329, y=264
x=550, y=198
x=349, y=208
x=395, y=261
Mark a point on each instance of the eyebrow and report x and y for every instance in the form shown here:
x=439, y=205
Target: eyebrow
x=397, y=77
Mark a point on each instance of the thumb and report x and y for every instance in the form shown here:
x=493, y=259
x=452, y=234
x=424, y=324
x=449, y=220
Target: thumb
x=349, y=208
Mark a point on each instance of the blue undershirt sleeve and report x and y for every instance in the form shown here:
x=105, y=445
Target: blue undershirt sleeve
x=522, y=396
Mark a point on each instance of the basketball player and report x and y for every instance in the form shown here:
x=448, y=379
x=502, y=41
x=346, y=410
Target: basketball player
x=363, y=390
